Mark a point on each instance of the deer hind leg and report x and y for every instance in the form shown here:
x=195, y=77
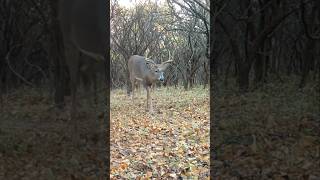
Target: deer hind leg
x=132, y=89
x=137, y=87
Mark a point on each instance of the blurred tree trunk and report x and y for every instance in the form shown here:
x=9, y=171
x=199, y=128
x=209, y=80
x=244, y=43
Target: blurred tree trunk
x=307, y=63
x=57, y=56
x=309, y=20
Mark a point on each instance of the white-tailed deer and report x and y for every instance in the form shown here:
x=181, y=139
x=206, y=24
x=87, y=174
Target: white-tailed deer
x=84, y=29
x=147, y=72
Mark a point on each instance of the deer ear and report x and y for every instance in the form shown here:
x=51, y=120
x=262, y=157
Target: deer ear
x=149, y=61
x=150, y=65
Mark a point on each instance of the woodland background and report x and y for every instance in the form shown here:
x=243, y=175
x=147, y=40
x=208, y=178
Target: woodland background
x=264, y=71
x=265, y=96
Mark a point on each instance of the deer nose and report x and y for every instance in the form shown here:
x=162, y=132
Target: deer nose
x=161, y=78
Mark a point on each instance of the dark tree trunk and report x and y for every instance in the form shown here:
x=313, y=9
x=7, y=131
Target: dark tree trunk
x=227, y=73
x=307, y=63
x=258, y=70
x=57, y=56
x=206, y=77
x=243, y=78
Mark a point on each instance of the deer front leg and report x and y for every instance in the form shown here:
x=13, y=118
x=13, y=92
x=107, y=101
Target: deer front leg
x=149, y=100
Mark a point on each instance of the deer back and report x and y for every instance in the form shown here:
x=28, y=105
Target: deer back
x=137, y=66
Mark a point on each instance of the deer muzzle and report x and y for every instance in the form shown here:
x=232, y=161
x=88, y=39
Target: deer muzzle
x=161, y=77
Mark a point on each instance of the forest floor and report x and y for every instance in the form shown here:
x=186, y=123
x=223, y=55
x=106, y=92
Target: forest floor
x=271, y=133
x=35, y=139
x=170, y=144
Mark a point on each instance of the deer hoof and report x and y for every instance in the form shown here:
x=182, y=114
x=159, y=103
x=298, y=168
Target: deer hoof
x=149, y=111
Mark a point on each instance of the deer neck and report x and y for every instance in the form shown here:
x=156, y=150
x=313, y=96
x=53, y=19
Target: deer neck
x=150, y=79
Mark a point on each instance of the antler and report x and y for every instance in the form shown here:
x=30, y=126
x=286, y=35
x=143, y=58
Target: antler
x=169, y=61
x=170, y=58
x=148, y=59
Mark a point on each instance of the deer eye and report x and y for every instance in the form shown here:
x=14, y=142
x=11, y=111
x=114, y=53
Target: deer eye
x=156, y=70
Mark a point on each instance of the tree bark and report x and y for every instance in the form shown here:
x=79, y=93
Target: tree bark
x=57, y=56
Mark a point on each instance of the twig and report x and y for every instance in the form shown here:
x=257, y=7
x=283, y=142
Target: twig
x=16, y=73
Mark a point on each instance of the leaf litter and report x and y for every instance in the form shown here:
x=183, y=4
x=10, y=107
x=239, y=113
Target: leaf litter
x=272, y=133
x=35, y=141
x=172, y=143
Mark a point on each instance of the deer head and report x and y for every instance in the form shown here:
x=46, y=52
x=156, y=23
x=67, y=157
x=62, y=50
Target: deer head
x=157, y=70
